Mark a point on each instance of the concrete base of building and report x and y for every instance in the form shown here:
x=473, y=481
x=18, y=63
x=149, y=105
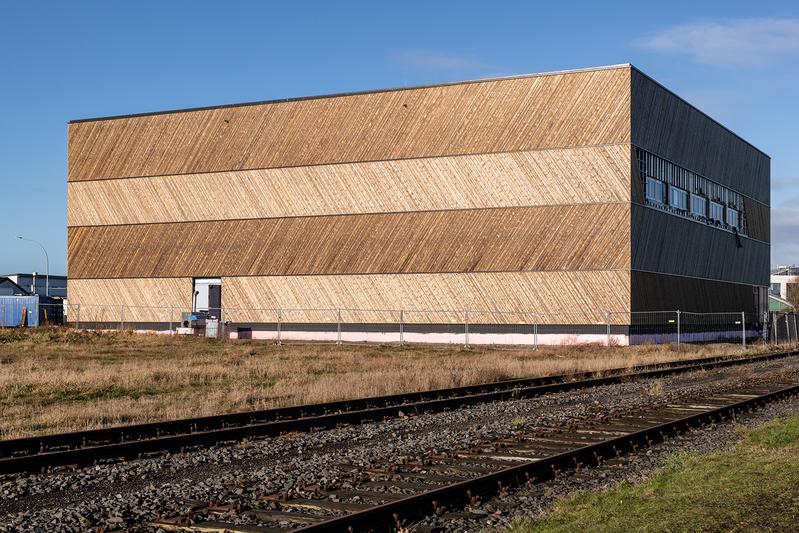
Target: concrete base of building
x=483, y=335
x=487, y=339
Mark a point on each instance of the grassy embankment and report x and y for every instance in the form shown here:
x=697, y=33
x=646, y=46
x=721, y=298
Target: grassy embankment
x=752, y=486
x=58, y=380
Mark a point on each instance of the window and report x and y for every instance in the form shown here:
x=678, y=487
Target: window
x=655, y=190
x=732, y=217
x=716, y=211
x=698, y=205
x=775, y=289
x=667, y=185
x=678, y=198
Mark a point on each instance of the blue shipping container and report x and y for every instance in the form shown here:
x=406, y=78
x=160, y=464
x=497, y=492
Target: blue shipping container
x=11, y=310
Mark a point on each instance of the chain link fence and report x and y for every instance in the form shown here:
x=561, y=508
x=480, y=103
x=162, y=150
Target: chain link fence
x=423, y=326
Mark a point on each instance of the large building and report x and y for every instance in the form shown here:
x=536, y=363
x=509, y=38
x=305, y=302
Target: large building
x=569, y=199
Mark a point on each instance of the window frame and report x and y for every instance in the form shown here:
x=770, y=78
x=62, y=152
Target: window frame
x=673, y=190
x=727, y=212
x=662, y=186
x=695, y=196
x=720, y=207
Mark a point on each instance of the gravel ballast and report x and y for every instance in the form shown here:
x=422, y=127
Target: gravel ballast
x=126, y=495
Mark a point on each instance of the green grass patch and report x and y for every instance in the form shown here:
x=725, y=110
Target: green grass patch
x=753, y=486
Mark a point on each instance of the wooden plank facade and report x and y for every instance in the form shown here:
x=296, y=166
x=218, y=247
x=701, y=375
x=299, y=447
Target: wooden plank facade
x=503, y=198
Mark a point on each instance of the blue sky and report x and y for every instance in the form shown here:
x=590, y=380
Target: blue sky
x=737, y=61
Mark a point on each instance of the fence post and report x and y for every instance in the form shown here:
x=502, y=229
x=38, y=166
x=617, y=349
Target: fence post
x=787, y=329
x=77, y=316
x=122, y=317
x=171, y=317
x=607, y=321
x=402, y=327
x=466, y=328
x=279, y=324
x=743, y=328
x=338, y=326
x=3, y=323
x=795, y=333
x=678, y=330
x=535, y=331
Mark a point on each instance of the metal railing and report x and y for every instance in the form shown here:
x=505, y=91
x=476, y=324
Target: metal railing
x=467, y=327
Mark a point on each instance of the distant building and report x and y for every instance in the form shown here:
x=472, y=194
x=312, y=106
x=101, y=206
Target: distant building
x=785, y=283
x=9, y=287
x=35, y=283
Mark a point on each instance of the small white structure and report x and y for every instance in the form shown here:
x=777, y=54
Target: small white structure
x=782, y=279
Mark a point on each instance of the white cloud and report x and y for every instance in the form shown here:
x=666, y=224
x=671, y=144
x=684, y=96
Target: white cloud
x=730, y=43
x=783, y=182
x=432, y=61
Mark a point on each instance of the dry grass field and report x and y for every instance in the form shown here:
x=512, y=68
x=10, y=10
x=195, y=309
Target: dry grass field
x=54, y=380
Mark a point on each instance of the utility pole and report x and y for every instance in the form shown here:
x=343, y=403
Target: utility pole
x=46, y=261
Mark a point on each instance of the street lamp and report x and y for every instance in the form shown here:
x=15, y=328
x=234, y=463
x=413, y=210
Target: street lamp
x=47, y=265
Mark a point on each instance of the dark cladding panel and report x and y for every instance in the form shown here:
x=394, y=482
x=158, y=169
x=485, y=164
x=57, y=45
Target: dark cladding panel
x=669, y=244
x=659, y=292
x=667, y=126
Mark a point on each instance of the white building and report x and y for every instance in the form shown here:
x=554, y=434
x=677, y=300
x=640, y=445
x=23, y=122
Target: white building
x=785, y=282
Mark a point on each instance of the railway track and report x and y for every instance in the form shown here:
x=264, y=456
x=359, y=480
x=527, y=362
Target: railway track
x=454, y=484
x=35, y=454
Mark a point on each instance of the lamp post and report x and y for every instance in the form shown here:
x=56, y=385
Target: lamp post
x=46, y=262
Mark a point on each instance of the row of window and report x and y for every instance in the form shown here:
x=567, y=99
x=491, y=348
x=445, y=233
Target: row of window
x=678, y=199
x=682, y=191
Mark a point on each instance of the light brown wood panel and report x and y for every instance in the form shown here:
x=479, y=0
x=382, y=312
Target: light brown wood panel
x=669, y=127
x=758, y=220
x=590, y=236
x=145, y=300
x=673, y=245
x=554, y=110
x=542, y=177
x=501, y=297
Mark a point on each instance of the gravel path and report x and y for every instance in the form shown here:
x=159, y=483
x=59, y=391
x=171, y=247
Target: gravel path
x=125, y=495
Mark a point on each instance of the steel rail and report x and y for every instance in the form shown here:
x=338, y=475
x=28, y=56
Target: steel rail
x=389, y=516
x=32, y=454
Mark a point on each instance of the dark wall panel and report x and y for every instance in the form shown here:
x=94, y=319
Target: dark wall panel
x=672, y=245
x=658, y=292
x=579, y=237
x=667, y=126
x=758, y=220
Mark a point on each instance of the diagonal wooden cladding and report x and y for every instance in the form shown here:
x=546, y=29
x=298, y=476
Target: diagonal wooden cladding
x=666, y=125
x=593, y=236
x=145, y=300
x=541, y=177
x=541, y=111
x=495, y=297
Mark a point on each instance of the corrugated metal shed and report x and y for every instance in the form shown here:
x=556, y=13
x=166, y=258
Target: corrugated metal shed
x=11, y=309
